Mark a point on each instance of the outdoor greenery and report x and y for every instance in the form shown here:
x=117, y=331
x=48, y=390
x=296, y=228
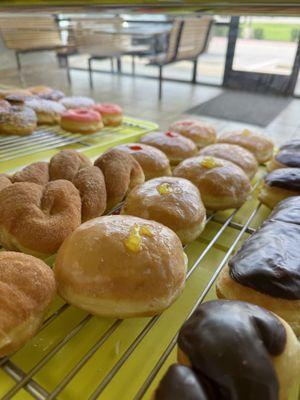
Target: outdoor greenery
x=265, y=30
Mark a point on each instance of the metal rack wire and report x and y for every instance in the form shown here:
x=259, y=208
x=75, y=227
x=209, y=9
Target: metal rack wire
x=26, y=380
x=46, y=138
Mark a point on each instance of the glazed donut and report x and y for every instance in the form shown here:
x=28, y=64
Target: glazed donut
x=134, y=268
x=153, y=161
x=236, y=154
x=89, y=180
x=259, y=145
x=91, y=185
x=280, y=184
x=112, y=114
x=221, y=183
x=81, y=120
x=46, y=92
x=18, y=120
x=174, y=202
x=288, y=156
x=74, y=102
x=201, y=133
x=36, y=219
x=48, y=112
x=66, y=164
x=266, y=269
x=37, y=172
x=175, y=146
x=121, y=173
x=241, y=350
x=27, y=288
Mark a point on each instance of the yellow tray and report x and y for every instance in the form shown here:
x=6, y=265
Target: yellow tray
x=79, y=356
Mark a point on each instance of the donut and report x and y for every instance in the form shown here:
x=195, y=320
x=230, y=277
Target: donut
x=4, y=105
x=48, y=112
x=66, y=164
x=181, y=383
x=27, y=288
x=240, y=351
x=37, y=172
x=280, y=184
x=174, y=202
x=46, y=92
x=121, y=173
x=288, y=156
x=175, y=146
x=81, y=120
x=4, y=181
x=36, y=219
x=221, y=183
x=18, y=92
x=112, y=114
x=89, y=180
x=18, y=120
x=236, y=154
x=75, y=102
x=153, y=161
x=259, y=145
x=266, y=269
x=201, y=133
x=121, y=266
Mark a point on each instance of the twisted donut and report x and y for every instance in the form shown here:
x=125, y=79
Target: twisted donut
x=121, y=173
x=27, y=287
x=36, y=173
x=36, y=219
x=4, y=181
x=66, y=164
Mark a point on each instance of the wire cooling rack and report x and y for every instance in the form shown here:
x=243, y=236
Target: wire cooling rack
x=107, y=368
x=50, y=137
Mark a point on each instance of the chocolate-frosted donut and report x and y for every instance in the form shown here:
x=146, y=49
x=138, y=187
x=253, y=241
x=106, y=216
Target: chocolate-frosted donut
x=291, y=145
x=288, y=158
x=181, y=383
x=231, y=344
x=280, y=184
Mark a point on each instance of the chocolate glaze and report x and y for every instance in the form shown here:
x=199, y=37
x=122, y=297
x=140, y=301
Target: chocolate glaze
x=181, y=383
x=285, y=178
x=231, y=344
x=293, y=145
x=290, y=158
x=269, y=260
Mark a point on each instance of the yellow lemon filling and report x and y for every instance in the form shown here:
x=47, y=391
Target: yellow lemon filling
x=134, y=240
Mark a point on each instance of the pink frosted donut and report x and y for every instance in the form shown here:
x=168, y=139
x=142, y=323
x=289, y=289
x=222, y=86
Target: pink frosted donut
x=81, y=120
x=112, y=114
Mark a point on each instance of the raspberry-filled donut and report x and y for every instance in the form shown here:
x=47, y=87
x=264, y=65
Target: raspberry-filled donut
x=112, y=114
x=201, y=133
x=81, y=120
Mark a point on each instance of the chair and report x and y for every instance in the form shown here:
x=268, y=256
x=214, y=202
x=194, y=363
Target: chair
x=30, y=34
x=188, y=39
x=90, y=37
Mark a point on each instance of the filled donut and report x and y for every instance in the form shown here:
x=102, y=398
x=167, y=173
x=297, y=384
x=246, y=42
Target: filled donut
x=121, y=266
x=280, y=184
x=201, y=133
x=288, y=156
x=81, y=120
x=27, y=288
x=175, y=146
x=266, y=269
x=153, y=161
x=48, y=111
x=259, y=145
x=112, y=114
x=221, y=183
x=174, y=202
x=236, y=154
x=121, y=173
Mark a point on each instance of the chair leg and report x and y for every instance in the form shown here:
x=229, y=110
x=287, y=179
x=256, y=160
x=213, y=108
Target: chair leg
x=160, y=82
x=194, y=76
x=68, y=70
x=90, y=73
x=133, y=64
x=119, y=65
x=18, y=62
